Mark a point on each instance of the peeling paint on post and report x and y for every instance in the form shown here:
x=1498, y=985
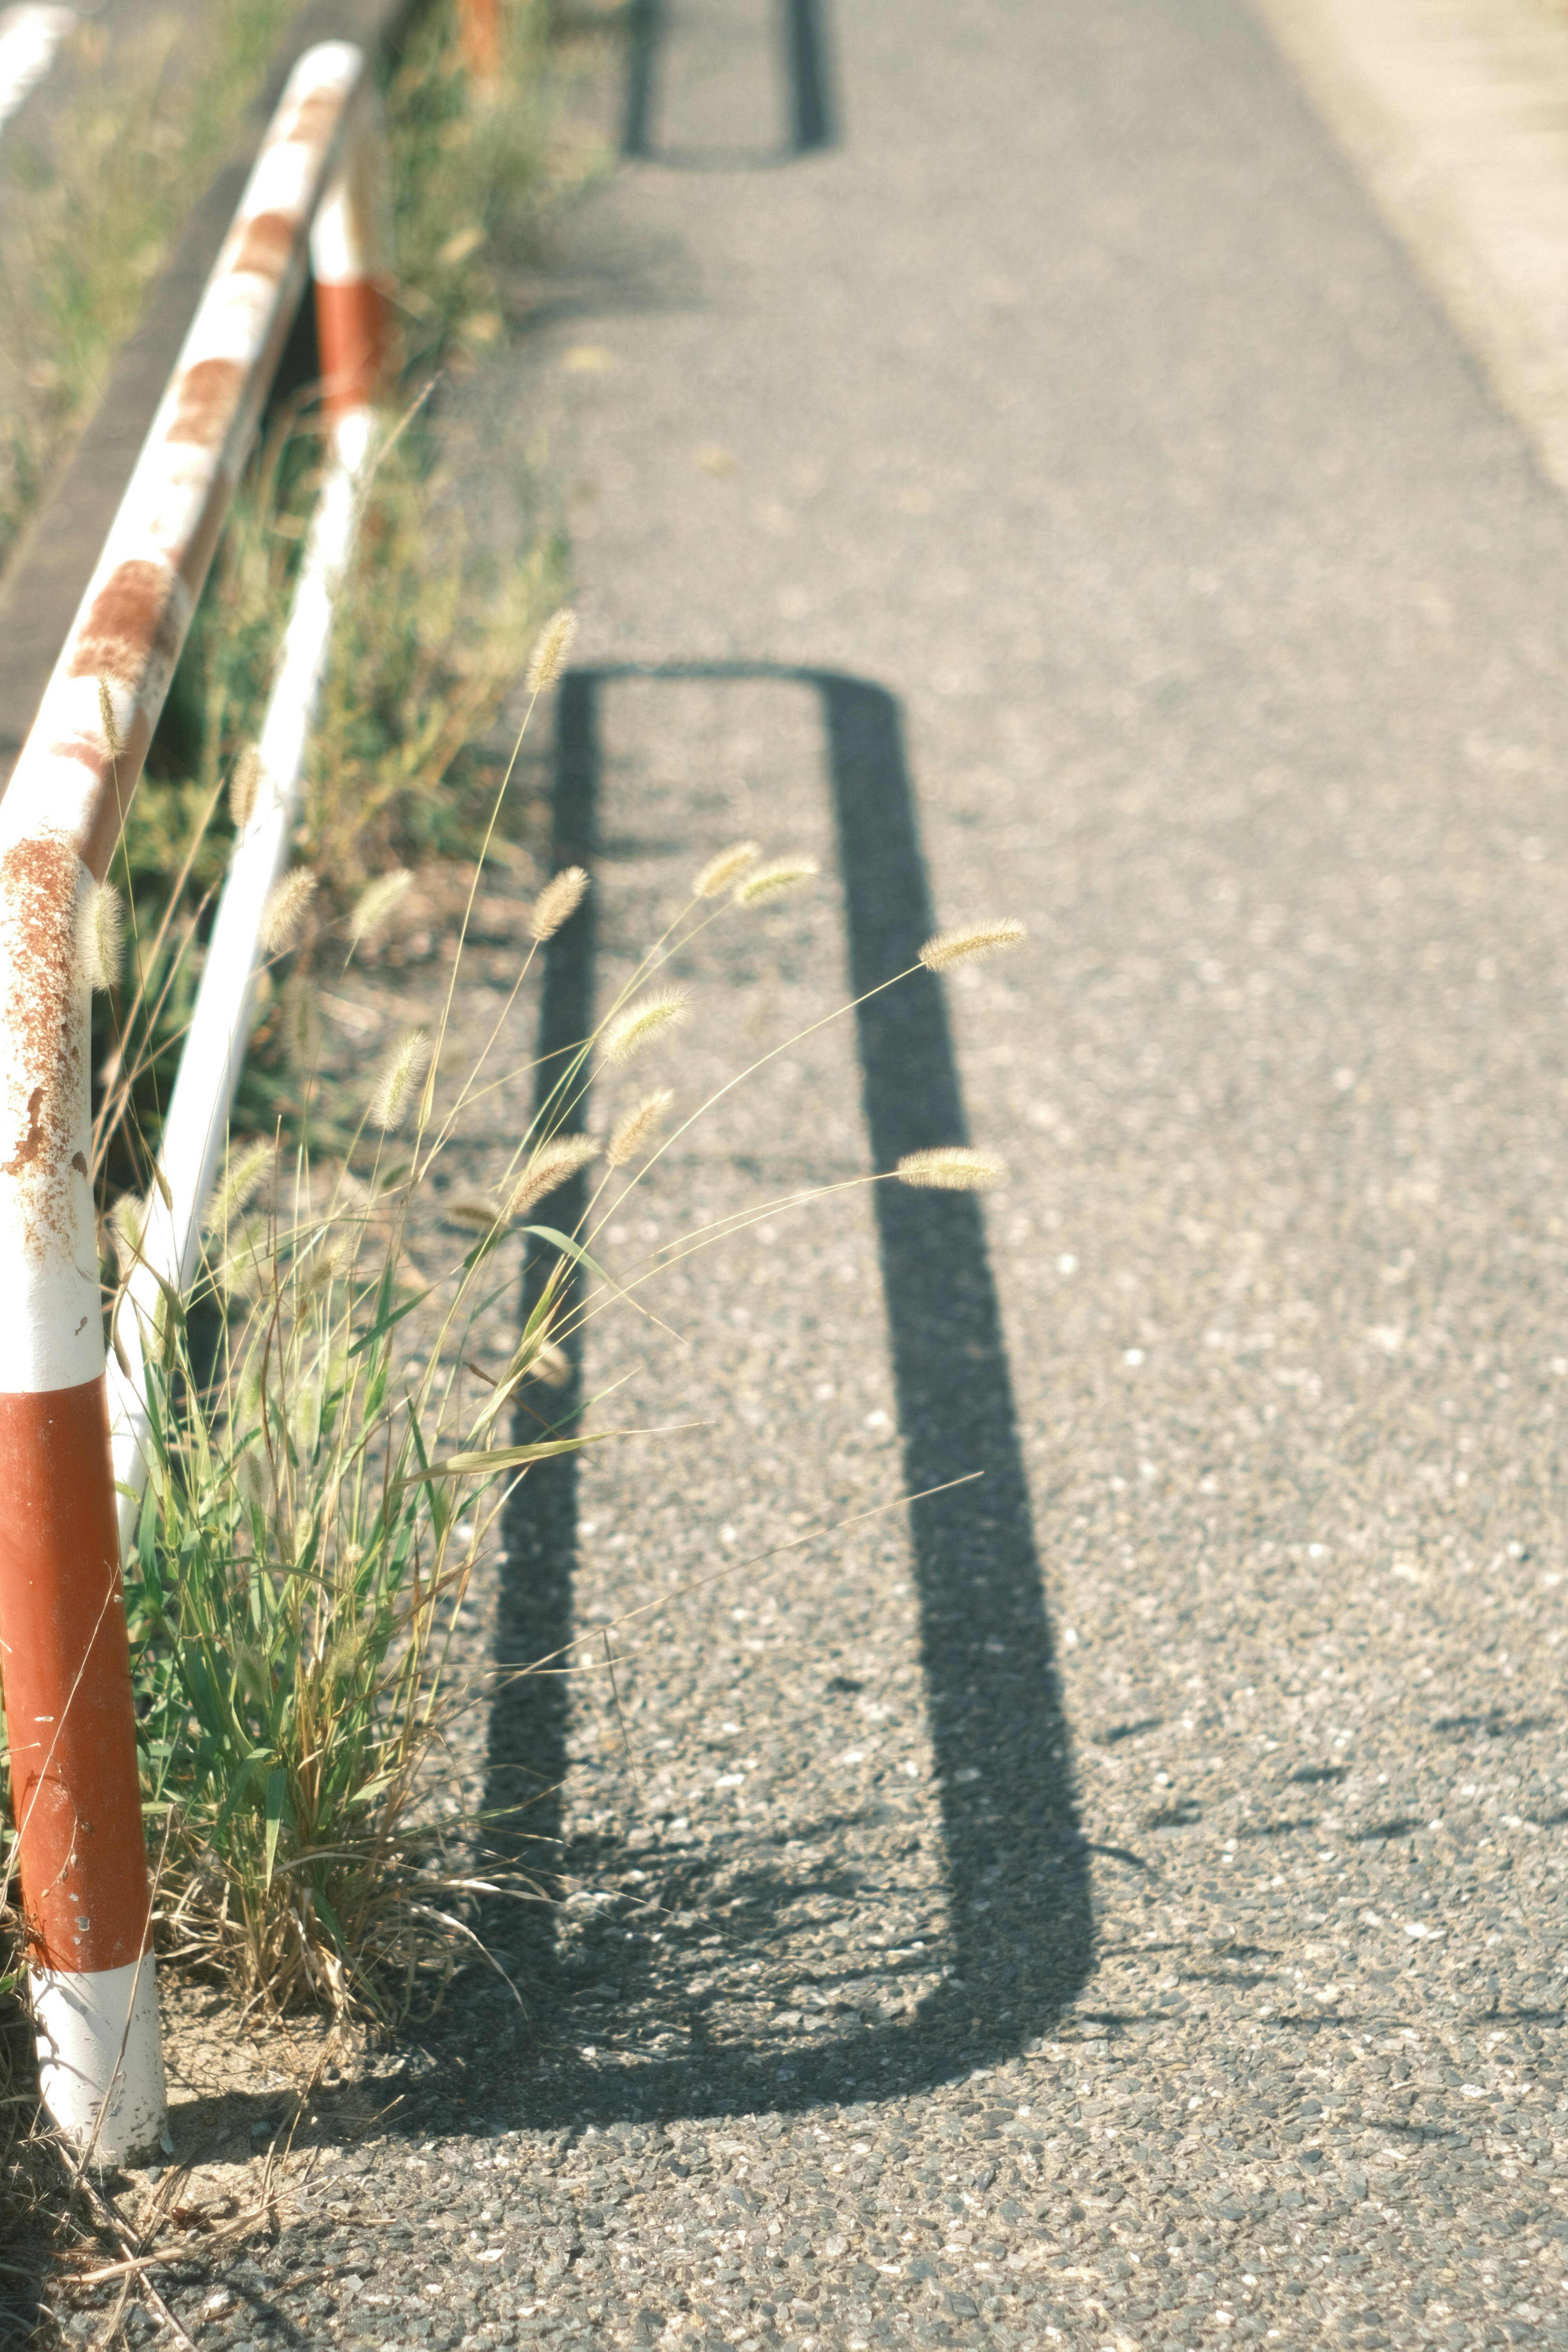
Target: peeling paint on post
x=64, y=1661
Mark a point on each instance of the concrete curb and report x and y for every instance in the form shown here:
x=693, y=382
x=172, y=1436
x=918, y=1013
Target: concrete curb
x=1455, y=116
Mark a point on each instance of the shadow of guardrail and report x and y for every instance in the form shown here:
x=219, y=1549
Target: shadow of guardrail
x=803, y=62
x=1017, y=1863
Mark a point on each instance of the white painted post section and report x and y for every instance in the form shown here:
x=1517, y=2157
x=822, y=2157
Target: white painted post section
x=29, y=35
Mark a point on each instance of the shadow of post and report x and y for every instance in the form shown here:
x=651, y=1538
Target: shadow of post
x=527, y=1749
x=1016, y=1867
x=803, y=57
x=1016, y=1862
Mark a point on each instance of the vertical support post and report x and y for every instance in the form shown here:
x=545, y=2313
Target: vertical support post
x=349, y=260
x=64, y=1655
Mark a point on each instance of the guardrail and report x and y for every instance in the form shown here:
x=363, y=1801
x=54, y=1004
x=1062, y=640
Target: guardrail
x=64, y=1656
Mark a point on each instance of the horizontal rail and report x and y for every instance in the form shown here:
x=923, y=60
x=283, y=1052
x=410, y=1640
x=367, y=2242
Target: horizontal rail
x=195, y=1127
x=63, y=1646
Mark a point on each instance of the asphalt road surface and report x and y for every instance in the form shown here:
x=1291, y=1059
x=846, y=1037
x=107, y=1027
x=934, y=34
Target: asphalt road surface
x=1116, y=1903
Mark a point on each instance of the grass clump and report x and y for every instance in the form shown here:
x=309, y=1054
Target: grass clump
x=320, y=1494
x=430, y=640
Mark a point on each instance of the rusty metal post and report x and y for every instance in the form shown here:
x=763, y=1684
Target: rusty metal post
x=64, y=1661
x=350, y=263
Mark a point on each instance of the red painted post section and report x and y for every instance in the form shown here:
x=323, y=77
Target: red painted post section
x=482, y=37
x=85, y=1880
x=349, y=259
x=63, y=1654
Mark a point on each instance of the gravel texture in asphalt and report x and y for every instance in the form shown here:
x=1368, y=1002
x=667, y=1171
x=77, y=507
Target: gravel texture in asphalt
x=1116, y=1903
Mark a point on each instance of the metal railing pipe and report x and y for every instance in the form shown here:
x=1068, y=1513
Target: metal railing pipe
x=64, y=1658
x=197, y=1125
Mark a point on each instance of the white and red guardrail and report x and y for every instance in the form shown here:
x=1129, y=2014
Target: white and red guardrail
x=64, y=1659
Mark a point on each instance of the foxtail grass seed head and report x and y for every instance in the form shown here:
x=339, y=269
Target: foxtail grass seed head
x=318, y=1271
x=405, y=1065
x=238, y=1189
x=767, y=882
x=551, y=649
x=725, y=868
x=637, y=1126
x=253, y=1476
x=950, y=1168
x=102, y=941
x=376, y=905
x=244, y=785
x=474, y=1210
x=549, y=1167
x=966, y=941
x=644, y=1018
x=302, y=1029
x=108, y=721
x=128, y=1223
x=284, y=916
x=562, y=895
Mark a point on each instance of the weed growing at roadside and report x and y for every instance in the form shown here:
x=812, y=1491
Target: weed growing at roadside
x=320, y=1494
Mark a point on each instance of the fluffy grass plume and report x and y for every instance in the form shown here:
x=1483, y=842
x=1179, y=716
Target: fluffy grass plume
x=551, y=649
x=244, y=785
x=950, y=1168
x=301, y=1027
x=551, y=1165
x=287, y=905
x=403, y=1068
x=560, y=896
x=108, y=721
x=966, y=941
x=375, y=906
x=632, y=1131
x=474, y=1210
x=551, y=1365
x=783, y=874
x=630, y=1029
x=128, y=1223
x=726, y=866
x=101, y=944
x=238, y=1189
